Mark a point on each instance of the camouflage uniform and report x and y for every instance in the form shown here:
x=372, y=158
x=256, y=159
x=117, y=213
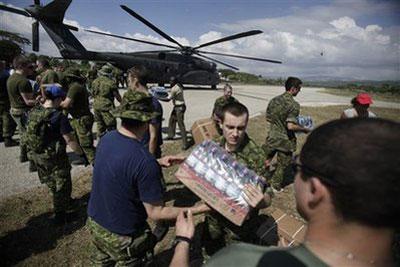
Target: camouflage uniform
x=16, y=85
x=7, y=125
x=91, y=76
x=82, y=121
x=48, y=152
x=219, y=231
x=109, y=248
x=281, y=141
x=103, y=89
x=49, y=76
x=219, y=104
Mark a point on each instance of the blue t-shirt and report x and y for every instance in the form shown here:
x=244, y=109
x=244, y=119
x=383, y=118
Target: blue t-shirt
x=125, y=175
x=156, y=121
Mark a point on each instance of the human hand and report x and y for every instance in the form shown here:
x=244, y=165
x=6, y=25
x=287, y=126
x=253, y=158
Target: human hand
x=184, y=226
x=201, y=208
x=253, y=196
x=170, y=160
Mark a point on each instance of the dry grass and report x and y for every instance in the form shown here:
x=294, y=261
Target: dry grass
x=375, y=95
x=28, y=239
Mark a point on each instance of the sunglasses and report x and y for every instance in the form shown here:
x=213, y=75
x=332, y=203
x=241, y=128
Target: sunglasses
x=298, y=167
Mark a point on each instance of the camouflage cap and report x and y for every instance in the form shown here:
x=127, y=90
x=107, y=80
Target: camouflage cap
x=73, y=73
x=137, y=106
x=106, y=70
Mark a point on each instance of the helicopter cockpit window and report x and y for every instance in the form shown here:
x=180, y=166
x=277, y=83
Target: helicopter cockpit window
x=161, y=55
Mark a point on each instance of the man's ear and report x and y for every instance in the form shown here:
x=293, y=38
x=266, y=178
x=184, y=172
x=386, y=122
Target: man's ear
x=318, y=192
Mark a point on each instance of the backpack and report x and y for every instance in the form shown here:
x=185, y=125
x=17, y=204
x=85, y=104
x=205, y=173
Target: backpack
x=37, y=130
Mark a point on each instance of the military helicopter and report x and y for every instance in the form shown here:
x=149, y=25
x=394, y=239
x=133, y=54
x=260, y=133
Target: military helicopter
x=190, y=64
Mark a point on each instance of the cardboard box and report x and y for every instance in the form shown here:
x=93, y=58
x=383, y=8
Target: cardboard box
x=211, y=196
x=203, y=129
x=290, y=229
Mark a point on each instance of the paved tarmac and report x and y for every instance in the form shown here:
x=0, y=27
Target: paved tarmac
x=15, y=177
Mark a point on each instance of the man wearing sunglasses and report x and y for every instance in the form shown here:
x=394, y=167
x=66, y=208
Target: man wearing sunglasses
x=347, y=188
x=282, y=113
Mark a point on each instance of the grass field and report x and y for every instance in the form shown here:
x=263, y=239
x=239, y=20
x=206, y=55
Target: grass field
x=353, y=92
x=28, y=239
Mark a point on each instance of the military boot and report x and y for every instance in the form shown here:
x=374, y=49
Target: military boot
x=32, y=167
x=9, y=142
x=23, y=156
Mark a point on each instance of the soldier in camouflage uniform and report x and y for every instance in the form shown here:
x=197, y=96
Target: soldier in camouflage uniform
x=91, y=76
x=47, y=133
x=126, y=189
x=219, y=231
x=220, y=102
x=77, y=104
x=282, y=112
x=21, y=99
x=7, y=125
x=46, y=75
x=104, y=91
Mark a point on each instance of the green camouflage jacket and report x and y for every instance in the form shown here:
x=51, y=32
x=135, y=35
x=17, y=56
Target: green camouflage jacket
x=248, y=153
x=103, y=89
x=281, y=110
x=220, y=102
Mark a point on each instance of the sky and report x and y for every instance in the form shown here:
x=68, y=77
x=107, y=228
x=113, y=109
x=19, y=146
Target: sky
x=352, y=39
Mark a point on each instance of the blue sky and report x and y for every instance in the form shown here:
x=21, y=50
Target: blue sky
x=360, y=39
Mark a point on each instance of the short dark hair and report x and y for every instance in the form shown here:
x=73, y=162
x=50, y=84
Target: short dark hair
x=237, y=109
x=359, y=162
x=292, y=82
x=131, y=123
x=140, y=73
x=44, y=61
x=21, y=61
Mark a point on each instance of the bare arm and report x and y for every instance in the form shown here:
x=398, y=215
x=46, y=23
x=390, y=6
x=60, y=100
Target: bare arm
x=184, y=227
x=157, y=211
x=72, y=143
x=67, y=103
x=28, y=99
x=296, y=128
x=153, y=130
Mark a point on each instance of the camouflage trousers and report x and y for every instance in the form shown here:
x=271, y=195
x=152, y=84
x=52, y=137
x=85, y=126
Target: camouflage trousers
x=110, y=249
x=283, y=173
x=7, y=124
x=105, y=122
x=20, y=118
x=83, y=131
x=55, y=173
x=177, y=116
x=220, y=232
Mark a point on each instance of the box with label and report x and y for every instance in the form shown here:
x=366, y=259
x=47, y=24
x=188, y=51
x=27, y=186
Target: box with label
x=217, y=178
x=290, y=229
x=203, y=129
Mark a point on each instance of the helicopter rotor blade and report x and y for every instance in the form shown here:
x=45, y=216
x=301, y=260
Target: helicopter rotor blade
x=154, y=51
x=131, y=39
x=244, y=57
x=35, y=36
x=229, y=38
x=215, y=60
x=148, y=24
x=15, y=10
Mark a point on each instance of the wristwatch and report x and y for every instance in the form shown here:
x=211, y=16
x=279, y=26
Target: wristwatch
x=180, y=238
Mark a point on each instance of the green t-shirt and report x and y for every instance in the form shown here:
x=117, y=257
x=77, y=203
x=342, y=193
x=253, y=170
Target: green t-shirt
x=281, y=110
x=250, y=255
x=16, y=85
x=80, y=100
x=49, y=76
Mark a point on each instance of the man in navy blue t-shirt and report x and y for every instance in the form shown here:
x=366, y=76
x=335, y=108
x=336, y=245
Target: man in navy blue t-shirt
x=126, y=188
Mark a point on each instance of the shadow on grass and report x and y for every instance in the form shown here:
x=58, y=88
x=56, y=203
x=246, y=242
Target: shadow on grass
x=39, y=235
x=182, y=197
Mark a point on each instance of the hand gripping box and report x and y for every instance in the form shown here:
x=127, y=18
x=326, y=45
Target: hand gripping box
x=217, y=178
x=203, y=129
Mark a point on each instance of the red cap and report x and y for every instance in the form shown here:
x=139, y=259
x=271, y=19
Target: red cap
x=364, y=98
